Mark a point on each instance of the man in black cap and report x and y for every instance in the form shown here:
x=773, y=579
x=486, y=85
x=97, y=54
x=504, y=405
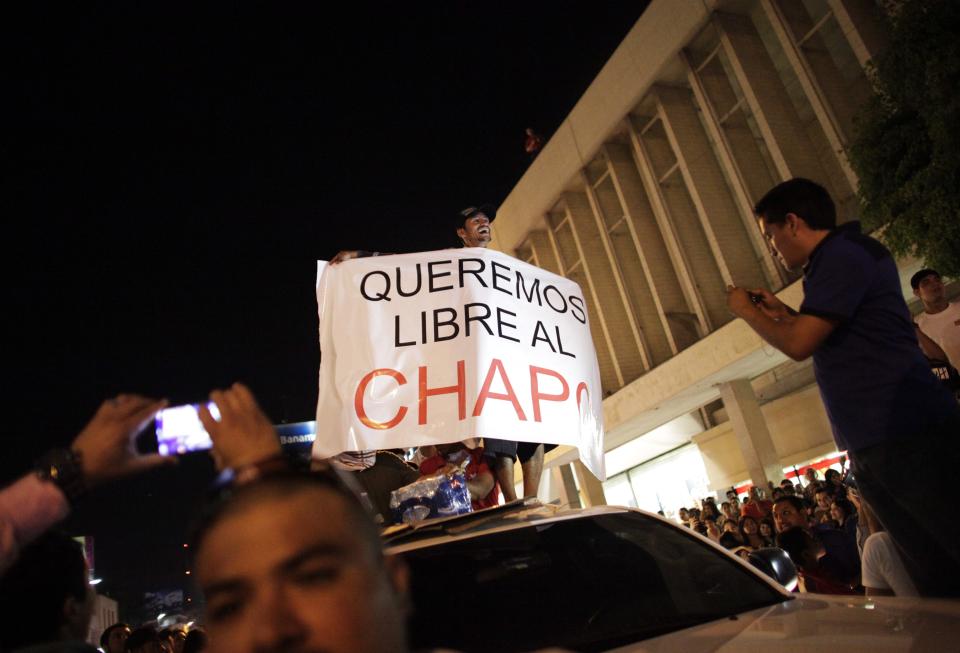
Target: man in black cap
x=473, y=226
x=939, y=321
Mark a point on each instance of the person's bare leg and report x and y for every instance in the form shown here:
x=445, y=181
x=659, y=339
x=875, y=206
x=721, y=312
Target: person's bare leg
x=532, y=470
x=503, y=472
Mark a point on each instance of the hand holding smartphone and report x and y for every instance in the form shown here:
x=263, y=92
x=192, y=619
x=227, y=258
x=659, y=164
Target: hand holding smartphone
x=180, y=431
x=243, y=433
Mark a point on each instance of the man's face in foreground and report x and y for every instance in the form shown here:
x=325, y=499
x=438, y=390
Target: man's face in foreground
x=294, y=573
x=476, y=231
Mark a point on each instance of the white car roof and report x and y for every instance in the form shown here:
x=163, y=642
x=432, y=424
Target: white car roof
x=801, y=622
x=525, y=513
x=816, y=622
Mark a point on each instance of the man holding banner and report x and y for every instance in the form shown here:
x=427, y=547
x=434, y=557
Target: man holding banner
x=439, y=347
x=474, y=228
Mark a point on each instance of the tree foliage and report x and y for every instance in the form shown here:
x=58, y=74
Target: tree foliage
x=907, y=146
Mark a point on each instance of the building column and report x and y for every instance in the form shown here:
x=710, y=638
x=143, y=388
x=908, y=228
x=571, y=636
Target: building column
x=651, y=257
x=680, y=224
x=544, y=252
x=777, y=119
x=736, y=256
x=571, y=496
x=862, y=24
x=751, y=431
x=811, y=88
x=591, y=490
x=614, y=269
x=627, y=354
x=736, y=150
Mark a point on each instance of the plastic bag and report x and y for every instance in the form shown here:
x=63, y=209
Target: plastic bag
x=430, y=497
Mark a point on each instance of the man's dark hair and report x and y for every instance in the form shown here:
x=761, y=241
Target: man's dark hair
x=793, y=500
x=195, y=642
x=166, y=634
x=807, y=199
x=795, y=541
x=284, y=484
x=846, y=506
x=729, y=541
x=105, y=636
x=921, y=275
x=140, y=638
x=33, y=591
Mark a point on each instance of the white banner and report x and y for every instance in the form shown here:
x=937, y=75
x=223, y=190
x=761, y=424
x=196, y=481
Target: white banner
x=447, y=345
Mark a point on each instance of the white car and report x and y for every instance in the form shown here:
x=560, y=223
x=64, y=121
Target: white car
x=528, y=577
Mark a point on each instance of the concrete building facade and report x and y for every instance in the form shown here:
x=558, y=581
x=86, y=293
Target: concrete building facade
x=105, y=614
x=644, y=197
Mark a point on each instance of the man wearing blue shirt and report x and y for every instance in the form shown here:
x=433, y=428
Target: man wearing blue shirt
x=886, y=408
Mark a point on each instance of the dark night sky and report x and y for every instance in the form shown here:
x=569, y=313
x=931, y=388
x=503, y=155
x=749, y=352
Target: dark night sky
x=171, y=179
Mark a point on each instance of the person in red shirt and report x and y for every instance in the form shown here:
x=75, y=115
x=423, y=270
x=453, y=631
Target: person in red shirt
x=484, y=492
x=756, y=506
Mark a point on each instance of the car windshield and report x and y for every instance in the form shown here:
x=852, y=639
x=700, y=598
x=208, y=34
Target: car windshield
x=586, y=584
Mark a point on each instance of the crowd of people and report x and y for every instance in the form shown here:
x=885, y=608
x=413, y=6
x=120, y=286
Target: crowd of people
x=836, y=543
x=121, y=638
x=291, y=560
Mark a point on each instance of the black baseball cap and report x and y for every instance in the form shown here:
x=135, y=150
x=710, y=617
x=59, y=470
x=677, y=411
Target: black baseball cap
x=915, y=279
x=488, y=210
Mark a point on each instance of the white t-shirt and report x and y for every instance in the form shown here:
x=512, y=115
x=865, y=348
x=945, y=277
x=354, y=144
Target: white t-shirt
x=944, y=329
x=882, y=568
x=355, y=461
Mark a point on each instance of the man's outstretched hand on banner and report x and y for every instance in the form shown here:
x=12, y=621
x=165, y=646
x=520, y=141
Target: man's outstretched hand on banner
x=244, y=435
x=345, y=255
